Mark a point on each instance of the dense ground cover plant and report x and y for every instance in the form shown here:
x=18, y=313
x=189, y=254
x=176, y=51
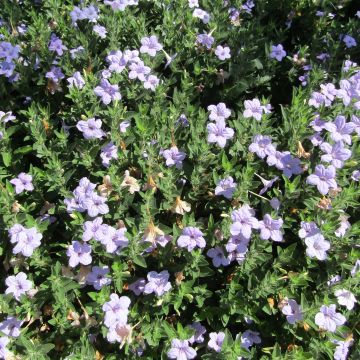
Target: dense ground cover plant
x=179, y=179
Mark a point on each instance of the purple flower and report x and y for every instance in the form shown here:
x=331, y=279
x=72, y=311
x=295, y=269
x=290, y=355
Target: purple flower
x=249, y=338
x=107, y=92
x=346, y=298
x=270, y=228
x=191, y=237
x=342, y=349
x=91, y=128
x=219, y=133
x=355, y=175
x=91, y=228
x=100, y=30
x=329, y=91
x=356, y=268
x=116, y=310
x=158, y=283
x=222, y=53
x=174, y=157
x=226, y=187
x=96, y=205
x=323, y=178
x=205, y=40
x=335, y=154
x=138, y=71
x=317, y=99
x=79, y=254
x=17, y=285
x=117, y=5
x=22, y=182
x=293, y=312
x=218, y=257
x=26, y=240
x=219, y=112
x=76, y=80
x=243, y=221
x=6, y=117
x=124, y=125
x=113, y=240
x=3, y=351
x=216, y=341
x=262, y=146
x=328, y=319
x=97, y=277
x=193, y=4
x=116, y=61
x=354, y=120
x=199, y=332
x=275, y=203
x=181, y=350
x=151, y=82
x=340, y=130
x=138, y=286
x=253, y=109
x=8, y=51
x=74, y=52
x=308, y=229
x=11, y=326
x=56, y=45
x=277, y=52
x=317, y=246
x=150, y=45
x=201, y=14
x=267, y=183
x=108, y=152
x=55, y=74
x=182, y=121
x=291, y=165
x=349, y=41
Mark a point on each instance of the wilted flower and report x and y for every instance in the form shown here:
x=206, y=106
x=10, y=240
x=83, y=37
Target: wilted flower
x=130, y=182
x=180, y=206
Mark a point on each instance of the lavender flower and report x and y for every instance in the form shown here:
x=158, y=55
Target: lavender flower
x=317, y=246
x=17, y=285
x=262, y=146
x=317, y=99
x=216, y=341
x=151, y=82
x=335, y=154
x=55, y=74
x=191, y=238
x=226, y=187
x=3, y=351
x=201, y=14
x=11, y=326
x=96, y=205
x=328, y=319
x=174, y=156
x=22, y=182
x=342, y=349
x=158, y=283
x=346, y=298
x=97, y=277
x=79, y=254
x=193, y=4
x=124, y=125
x=56, y=45
x=291, y=165
x=181, y=350
x=138, y=286
x=76, y=80
x=91, y=229
x=26, y=240
x=108, y=152
x=270, y=228
x=138, y=71
x=253, y=109
x=249, y=338
x=277, y=52
x=100, y=30
x=117, y=61
x=308, y=229
x=6, y=117
x=219, y=133
x=116, y=310
x=150, y=45
x=199, y=332
x=222, y=53
x=355, y=175
x=267, y=183
x=219, y=112
x=243, y=221
x=349, y=41
x=293, y=312
x=218, y=257
x=275, y=203
x=323, y=178
x=205, y=40
x=91, y=128
x=107, y=92
x=340, y=130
